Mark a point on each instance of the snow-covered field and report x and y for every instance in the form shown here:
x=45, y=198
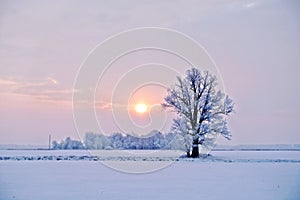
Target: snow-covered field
x=224, y=175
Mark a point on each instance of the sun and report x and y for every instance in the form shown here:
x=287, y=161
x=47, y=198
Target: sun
x=141, y=108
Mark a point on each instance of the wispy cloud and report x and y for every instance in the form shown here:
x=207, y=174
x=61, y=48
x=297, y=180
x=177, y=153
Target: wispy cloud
x=54, y=81
x=102, y=105
x=250, y=5
x=46, y=89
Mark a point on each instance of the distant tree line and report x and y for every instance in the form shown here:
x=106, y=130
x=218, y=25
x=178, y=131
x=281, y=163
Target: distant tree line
x=157, y=140
x=68, y=143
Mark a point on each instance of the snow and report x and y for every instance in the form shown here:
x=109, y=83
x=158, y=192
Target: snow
x=211, y=178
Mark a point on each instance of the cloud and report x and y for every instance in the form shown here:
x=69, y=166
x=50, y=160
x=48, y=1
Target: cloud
x=250, y=5
x=103, y=105
x=54, y=81
x=47, y=89
x=7, y=82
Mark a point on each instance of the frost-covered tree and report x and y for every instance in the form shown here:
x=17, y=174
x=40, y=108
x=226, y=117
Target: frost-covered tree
x=116, y=140
x=68, y=143
x=201, y=110
x=96, y=141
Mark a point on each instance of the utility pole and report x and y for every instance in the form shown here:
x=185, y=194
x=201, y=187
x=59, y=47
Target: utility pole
x=49, y=141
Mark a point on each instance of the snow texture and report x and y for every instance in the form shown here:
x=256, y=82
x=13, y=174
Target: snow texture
x=215, y=179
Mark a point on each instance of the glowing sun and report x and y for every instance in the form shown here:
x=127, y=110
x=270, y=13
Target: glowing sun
x=141, y=108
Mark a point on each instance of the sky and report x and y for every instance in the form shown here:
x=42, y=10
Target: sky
x=255, y=45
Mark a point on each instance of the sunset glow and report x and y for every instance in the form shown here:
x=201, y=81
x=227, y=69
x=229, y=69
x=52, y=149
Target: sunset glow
x=141, y=108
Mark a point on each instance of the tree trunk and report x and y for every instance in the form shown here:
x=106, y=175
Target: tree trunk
x=195, y=151
x=188, y=154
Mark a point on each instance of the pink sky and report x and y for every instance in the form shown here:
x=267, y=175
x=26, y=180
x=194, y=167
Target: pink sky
x=255, y=45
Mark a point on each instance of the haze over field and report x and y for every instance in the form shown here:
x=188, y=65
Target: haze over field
x=255, y=45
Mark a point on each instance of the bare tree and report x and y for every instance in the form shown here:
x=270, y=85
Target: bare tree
x=201, y=109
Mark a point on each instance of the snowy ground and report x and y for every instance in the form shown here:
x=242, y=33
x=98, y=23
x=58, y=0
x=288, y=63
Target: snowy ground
x=225, y=175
